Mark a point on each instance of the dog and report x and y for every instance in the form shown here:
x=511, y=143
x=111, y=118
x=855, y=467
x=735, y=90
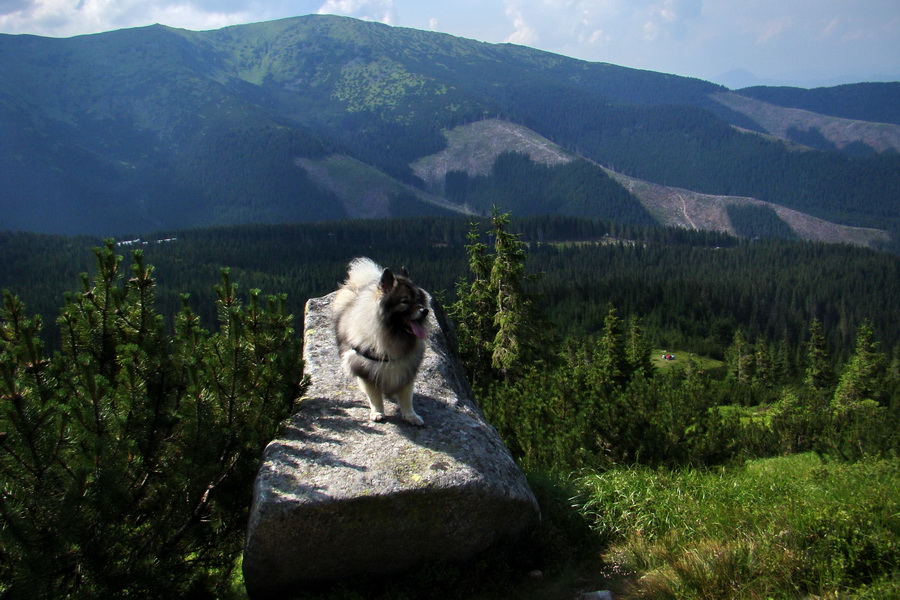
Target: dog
x=381, y=322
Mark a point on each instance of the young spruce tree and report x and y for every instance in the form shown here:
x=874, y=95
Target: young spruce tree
x=496, y=327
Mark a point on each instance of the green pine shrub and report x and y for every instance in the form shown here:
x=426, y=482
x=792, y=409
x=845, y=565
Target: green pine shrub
x=127, y=458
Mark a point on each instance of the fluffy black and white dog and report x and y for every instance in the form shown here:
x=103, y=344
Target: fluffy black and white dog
x=381, y=323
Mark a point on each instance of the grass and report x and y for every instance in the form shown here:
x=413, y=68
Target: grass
x=793, y=527
x=682, y=359
x=788, y=527
x=748, y=414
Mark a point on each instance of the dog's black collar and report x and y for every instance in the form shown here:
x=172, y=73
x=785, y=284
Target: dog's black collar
x=368, y=354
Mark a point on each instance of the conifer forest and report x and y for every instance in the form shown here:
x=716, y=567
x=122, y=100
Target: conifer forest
x=137, y=396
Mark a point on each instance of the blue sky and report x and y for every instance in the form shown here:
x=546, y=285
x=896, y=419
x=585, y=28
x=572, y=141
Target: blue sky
x=788, y=42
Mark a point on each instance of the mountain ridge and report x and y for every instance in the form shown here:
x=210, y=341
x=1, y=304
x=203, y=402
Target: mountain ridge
x=158, y=127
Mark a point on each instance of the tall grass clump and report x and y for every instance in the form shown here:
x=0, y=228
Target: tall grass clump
x=789, y=527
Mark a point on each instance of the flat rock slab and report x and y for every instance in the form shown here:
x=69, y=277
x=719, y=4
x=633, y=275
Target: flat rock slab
x=338, y=496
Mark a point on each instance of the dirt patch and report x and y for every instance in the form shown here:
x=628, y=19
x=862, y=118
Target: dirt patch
x=473, y=148
x=693, y=210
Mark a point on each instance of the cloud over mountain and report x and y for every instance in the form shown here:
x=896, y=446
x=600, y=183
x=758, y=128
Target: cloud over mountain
x=797, y=40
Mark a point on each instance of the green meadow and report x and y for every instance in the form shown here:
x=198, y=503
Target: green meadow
x=788, y=527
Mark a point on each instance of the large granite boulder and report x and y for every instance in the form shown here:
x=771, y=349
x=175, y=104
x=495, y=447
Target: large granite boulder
x=338, y=496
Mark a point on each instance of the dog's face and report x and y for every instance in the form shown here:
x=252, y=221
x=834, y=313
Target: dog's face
x=403, y=303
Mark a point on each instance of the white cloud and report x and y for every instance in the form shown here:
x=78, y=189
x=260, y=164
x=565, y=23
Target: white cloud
x=670, y=18
x=598, y=36
x=66, y=18
x=652, y=30
x=523, y=33
x=831, y=27
x=774, y=28
x=567, y=24
x=368, y=10
x=691, y=37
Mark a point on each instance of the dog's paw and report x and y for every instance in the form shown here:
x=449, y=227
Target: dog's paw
x=376, y=417
x=414, y=419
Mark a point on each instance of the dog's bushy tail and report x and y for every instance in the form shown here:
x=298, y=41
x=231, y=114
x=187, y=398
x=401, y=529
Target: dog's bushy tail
x=362, y=272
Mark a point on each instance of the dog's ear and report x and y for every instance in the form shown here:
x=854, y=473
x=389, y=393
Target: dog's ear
x=404, y=272
x=387, y=281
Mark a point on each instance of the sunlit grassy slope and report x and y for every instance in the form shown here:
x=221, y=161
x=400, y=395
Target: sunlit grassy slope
x=788, y=527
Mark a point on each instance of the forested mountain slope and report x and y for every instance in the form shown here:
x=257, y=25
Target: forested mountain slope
x=692, y=288
x=814, y=129
x=875, y=101
x=155, y=128
x=467, y=172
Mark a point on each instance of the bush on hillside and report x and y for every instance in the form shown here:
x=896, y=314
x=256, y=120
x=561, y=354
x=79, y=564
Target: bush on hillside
x=127, y=458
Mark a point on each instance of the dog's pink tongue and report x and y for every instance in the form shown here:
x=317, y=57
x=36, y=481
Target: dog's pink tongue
x=417, y=329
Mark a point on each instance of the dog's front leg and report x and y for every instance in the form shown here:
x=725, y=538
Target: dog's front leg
x=406, y=406
x=376, y=399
